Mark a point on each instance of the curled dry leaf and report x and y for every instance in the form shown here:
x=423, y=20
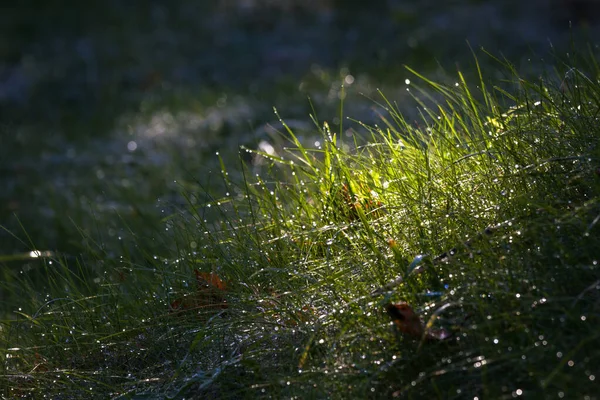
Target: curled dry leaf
x=209, y=294
x=209, y=280
x=41, y=363
x=409, y=323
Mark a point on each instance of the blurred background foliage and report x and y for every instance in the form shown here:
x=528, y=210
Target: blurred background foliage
x=108, y=110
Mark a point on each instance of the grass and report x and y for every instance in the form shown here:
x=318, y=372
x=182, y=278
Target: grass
x=274, y=281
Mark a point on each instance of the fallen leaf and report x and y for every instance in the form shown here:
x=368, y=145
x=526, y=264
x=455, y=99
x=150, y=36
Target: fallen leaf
x=409, y=323
x=210, y=280
x=209, y=294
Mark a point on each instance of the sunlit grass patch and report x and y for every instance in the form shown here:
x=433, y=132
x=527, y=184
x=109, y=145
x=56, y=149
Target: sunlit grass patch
x=481, y=217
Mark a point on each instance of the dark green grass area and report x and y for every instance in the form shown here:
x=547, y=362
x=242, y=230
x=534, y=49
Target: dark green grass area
x=482, y=214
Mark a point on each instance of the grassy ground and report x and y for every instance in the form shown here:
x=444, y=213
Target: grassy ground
x=273, y=280
x=136, y=263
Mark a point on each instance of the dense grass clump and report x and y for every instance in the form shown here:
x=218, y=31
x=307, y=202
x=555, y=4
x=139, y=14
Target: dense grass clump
x=482, y=216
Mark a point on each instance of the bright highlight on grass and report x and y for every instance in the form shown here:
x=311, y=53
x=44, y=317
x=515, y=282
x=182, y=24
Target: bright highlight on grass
x=476, y=223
